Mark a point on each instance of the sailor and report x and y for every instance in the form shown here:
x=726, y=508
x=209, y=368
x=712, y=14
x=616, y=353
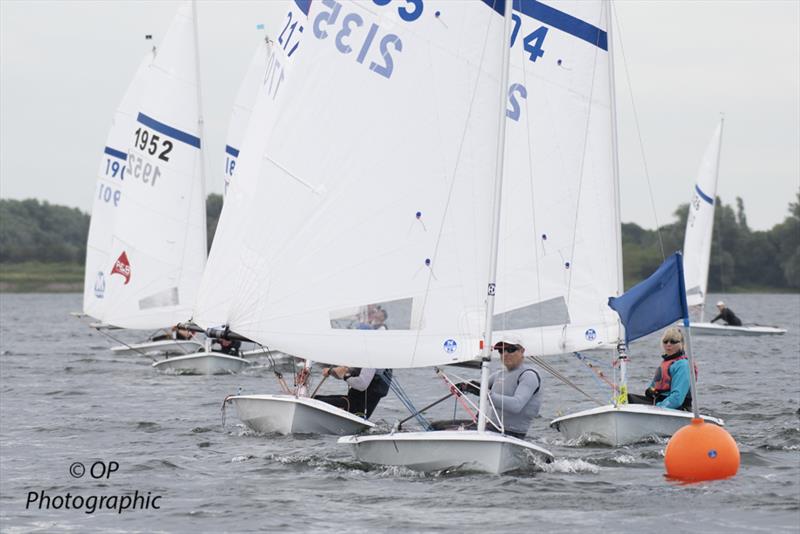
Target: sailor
x=366, y=387
x=516, y=391
x=226, y=346
x=670, y=386
x=727, y=315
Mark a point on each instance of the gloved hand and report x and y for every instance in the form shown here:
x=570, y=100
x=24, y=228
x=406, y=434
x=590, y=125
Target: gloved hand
x=469, y=387
x=650, y=393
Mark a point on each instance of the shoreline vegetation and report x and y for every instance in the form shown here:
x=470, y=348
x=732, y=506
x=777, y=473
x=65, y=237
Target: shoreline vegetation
x=43, y=246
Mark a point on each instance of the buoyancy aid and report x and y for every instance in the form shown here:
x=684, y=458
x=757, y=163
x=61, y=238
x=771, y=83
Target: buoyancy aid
x=662, y=380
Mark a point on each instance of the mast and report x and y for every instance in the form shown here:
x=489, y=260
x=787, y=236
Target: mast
x=200, y=123
x=711, y=229
x=622, y=355
x=486, y=353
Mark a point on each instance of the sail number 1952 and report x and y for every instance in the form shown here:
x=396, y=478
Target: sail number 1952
x=153, y=144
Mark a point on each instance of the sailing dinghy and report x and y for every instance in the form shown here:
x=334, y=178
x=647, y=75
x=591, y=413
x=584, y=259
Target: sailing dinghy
x=357, y=222
x=650, y=305
x=108, y=198
x=697, y=246
x=148, y=256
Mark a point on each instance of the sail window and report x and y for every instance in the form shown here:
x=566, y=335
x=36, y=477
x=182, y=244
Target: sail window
x=551, y=312
x=386, y=315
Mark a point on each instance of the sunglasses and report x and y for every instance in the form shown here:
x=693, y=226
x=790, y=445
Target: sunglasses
x=671, y=341
x=508, y=349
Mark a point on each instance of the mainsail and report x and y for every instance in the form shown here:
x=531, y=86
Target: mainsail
x=700, y=224
x=560, y=236
x=370, y=190
x=108, y=194
x=158, y=244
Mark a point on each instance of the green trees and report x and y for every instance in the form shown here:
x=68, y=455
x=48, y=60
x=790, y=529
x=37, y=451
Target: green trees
x=34, y=231
x=741, y=259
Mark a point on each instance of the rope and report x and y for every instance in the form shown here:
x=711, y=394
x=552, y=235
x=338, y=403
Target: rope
x=596, y=373
x=553, y=371
x=398, y=390
x=638, y=132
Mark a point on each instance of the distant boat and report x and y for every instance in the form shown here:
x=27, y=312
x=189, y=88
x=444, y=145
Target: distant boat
x=147, y=243
x=697, y=246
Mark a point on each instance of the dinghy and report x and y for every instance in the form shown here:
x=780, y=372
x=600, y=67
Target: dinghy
x=290, y=414
x=362, y=225
x=147, y=243
x=697, y=246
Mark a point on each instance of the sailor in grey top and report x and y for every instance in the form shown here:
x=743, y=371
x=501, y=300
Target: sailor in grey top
x=516, y=391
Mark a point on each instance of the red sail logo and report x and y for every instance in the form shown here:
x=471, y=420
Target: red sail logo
x=123, y=267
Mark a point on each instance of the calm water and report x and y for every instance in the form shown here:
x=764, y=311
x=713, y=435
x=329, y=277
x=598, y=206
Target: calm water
x=64, y=398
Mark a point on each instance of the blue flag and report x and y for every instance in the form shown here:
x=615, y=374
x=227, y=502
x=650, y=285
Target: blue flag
x=654, y=303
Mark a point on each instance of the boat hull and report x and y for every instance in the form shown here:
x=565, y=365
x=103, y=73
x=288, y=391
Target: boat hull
x=202, y=363
x=152, y=348
x=487, y=452
x=624, y=424
x=287, y=414
x=711, y=329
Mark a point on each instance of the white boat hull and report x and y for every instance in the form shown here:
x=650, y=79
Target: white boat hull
x=202, y=363
x=624, y=424
x=152, y=348
x=712, y=329
x=446, y=449
x=287, y=414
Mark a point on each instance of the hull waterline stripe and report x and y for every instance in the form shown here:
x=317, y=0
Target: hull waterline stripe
x=232, y=151
x=703, y=195
x=116, y=153
x=165, y=129
x=557, y=19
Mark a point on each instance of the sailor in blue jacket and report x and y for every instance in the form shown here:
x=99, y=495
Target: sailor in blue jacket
x=670, y=387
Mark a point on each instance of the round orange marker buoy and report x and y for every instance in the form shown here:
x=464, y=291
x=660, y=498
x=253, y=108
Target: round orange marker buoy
x=701, y=451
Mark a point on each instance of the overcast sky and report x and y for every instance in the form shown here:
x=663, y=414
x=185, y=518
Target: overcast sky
x=64, y=66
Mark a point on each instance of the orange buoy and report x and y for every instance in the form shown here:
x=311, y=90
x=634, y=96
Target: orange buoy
x=701, y=451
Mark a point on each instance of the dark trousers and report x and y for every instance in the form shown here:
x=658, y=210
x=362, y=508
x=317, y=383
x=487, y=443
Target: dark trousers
x=468, y=424
x=361, y=403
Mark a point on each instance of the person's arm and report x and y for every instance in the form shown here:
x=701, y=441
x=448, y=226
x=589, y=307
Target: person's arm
x=528, y=382
x=361, y=382
x=717, y=318
x=678, y=385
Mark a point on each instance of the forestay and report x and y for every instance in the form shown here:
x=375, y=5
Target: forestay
x=108, y=195
x=158, y=244
x=559, y=257
x=700, y=223
x=243, y=106
x=365, y=189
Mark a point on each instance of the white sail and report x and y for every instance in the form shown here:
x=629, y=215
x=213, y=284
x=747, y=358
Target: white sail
x=108, y=195
x=700, y=224
x=559, y=250
x=158, y=244
x=368, y=185
x=243, y=106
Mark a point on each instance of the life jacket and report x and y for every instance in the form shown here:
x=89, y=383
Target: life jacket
x=662, y=380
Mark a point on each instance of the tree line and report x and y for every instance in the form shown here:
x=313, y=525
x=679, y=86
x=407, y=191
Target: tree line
x=741, y=259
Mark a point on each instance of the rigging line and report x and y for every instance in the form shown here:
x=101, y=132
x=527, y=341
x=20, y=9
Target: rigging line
x=581, y=169
x=450, y=190
x=536, y=233
x=109, y=336
x=550, y=369
x=638, y=129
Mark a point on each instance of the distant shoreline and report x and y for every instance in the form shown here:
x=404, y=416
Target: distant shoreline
x=37, y=277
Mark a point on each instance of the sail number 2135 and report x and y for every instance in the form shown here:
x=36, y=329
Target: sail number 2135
x=152, y=144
